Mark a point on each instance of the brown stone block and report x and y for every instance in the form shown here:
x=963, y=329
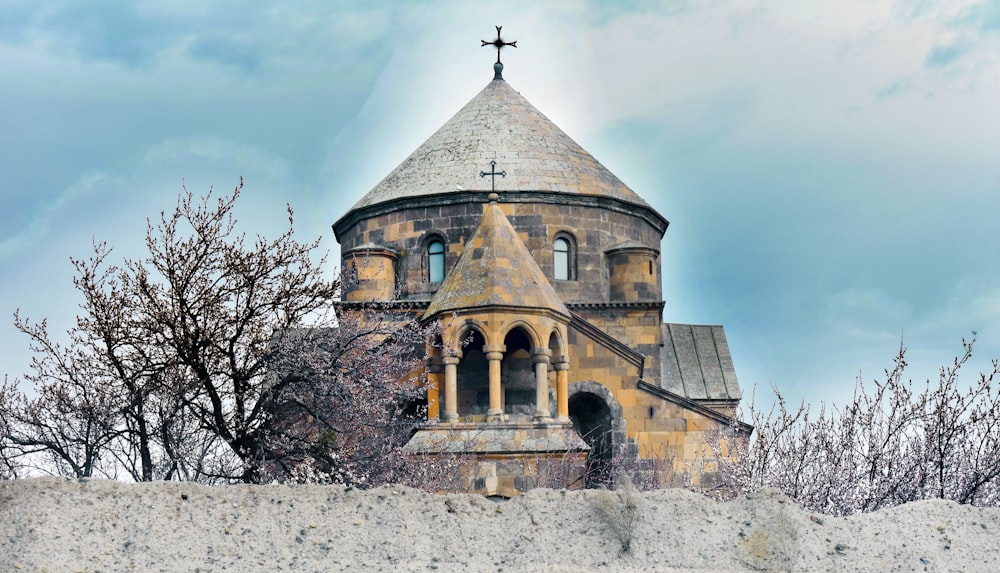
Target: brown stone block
x=666, y=425
x=698, y=423
x=641, y=440
x=626, y=397
x=657, y=442
x=675, y=439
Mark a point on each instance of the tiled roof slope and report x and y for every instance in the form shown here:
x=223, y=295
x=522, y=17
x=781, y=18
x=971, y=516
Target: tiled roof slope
x=499, y=124
x=696, y=363
x=495, y=269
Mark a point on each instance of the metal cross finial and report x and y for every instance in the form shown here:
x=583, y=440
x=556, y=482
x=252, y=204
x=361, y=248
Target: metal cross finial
x=499, y=43
x=493, y=173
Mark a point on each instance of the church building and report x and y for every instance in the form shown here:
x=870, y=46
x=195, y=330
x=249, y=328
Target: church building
x=554, y=366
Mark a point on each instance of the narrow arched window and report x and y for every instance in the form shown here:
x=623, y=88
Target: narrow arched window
x=435, y=261
x=561, y=260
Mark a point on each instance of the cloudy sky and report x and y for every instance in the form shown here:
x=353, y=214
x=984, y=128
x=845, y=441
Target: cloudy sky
x=831, y=170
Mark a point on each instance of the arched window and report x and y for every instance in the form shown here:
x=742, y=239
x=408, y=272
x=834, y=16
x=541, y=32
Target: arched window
x=435, y=261
x=562, y=260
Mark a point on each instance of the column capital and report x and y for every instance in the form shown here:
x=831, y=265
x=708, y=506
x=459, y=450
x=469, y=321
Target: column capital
x=494, y=351
x=559, y=366
x=540, y=355
x=451, y=360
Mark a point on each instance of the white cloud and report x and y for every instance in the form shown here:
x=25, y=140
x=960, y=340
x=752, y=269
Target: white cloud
x=40, y=221
x=863, y=314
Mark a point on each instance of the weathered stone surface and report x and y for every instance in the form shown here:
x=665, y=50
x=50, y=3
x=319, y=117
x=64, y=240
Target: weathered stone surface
x=494, y=440
x=499, y=125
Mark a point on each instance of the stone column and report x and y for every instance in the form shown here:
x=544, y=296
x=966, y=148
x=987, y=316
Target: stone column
x=561, y=366
x=451, y=388
x=540, y=356
x=434, y=369
x=494, y=353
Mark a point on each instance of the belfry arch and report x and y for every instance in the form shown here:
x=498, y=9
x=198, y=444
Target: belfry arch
x=517, y=374
x=473, y=376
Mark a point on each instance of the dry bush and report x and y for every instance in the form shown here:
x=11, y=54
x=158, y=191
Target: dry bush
x=619, y=510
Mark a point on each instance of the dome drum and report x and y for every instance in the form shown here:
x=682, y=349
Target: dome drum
x=594, y=230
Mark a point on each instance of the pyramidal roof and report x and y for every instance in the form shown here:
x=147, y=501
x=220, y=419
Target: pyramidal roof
x=499, y=125
x=495, y=269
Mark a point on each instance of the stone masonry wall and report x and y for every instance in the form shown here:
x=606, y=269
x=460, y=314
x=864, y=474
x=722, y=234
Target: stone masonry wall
x=593, y=229
x=675, y=437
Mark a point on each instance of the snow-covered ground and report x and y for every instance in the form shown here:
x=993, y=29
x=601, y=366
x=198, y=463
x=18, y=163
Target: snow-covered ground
x=56, y=525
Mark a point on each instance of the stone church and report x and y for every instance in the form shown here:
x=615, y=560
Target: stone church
x=544, y=271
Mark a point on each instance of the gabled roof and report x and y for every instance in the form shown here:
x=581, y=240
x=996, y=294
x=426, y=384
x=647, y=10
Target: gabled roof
x=495, y=270
x=696, y=363
x=499, y=124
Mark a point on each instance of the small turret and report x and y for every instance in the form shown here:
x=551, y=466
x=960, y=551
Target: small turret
x=634, y=273
x=369, y=273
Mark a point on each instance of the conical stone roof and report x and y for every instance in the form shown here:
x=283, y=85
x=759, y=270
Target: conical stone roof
x=495, y=270
x=499, y=125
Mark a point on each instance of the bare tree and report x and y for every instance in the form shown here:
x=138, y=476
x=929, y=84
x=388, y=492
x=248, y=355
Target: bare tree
x=72, y=418
x=212, y=359
x=890, y=445
x=214, y=304
x=8, y=453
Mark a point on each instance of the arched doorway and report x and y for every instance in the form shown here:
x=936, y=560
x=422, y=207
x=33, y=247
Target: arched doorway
x=592, y=419
x=597, y=417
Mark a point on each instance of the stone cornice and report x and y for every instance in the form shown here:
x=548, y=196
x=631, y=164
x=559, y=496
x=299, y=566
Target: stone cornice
x=642, y=305
x=421, y=305
x=644, y=249
x=648, y=214
x=502, y=309
x=371, y=249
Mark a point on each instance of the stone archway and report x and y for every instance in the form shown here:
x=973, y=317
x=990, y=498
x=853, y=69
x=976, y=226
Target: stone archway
x=473, y=378
x=597, y=417
x=518, y=374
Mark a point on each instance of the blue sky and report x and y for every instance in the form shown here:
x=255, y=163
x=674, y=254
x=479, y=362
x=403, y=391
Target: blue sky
x=831, y=171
